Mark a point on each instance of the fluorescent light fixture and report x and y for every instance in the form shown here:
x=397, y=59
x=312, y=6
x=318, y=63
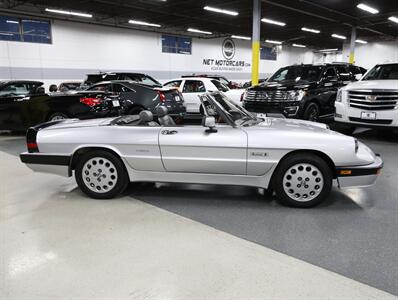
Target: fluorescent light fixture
x=269, y=21
x=240, y=37
x=394, y=19
x=142, y=23
x=338, y=36
x=367, y=8
x=67, y=12
x=310, y=30
x=12, y=22
x=273, y=42
x=361, y=41
x=299, y=46
x=198, y=31
x=329, y=50
x=221, y=11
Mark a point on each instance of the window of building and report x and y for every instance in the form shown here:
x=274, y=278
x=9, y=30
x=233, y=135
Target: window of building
x=25, y=30
x=176, y=44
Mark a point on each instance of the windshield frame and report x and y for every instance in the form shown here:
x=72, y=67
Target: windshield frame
x=321, y=70
x=367, y=74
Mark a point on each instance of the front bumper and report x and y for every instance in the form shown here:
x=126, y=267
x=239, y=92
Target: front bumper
x=289, y=109
x=359, y=176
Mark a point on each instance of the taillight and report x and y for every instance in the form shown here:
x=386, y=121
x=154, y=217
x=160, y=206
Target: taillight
x=162, y=96
x=31, y=143
x=32, y=147
x=91, y=101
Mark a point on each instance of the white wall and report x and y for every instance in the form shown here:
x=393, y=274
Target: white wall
x=371, y=54
x=81, y=48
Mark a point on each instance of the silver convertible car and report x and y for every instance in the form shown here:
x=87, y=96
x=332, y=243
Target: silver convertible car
x=298, y=160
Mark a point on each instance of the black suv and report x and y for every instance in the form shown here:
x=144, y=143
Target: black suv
x=300, y=91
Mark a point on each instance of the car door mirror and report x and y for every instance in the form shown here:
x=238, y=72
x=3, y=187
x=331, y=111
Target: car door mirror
x=209, y=122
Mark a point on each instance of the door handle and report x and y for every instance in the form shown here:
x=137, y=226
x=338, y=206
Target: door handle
x=168, y=132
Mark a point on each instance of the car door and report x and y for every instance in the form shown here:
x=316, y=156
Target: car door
x=11, y=97
x=190, y=149
x=191, y=91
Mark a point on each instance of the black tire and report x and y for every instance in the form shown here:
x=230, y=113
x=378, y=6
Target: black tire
x=135, y=110
x=57, y=116
x=311, y=112
x=106, y=164
x=307, y=191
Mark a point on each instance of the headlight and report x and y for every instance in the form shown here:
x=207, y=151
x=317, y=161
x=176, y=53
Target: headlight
x=295, y=95
x=339, y=97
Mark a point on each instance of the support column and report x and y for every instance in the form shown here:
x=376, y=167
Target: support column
x=352, y=45
x=256, y=40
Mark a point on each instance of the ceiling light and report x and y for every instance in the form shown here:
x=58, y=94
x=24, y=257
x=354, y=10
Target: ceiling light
x=269, y=21
x=367, y=8
x=198, y=31
x=337, y=36
x=310, y=30
x=273, y=42
x=299, y=46
x=221, y=11
x=70, y=13
x=329, y=50
x=394, y=19
x=135, y=22
x=240, y=37
x=361, y=41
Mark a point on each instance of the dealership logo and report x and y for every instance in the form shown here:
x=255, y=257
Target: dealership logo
x=228, y=49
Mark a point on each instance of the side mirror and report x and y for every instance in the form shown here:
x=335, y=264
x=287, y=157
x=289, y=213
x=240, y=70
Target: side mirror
x=209, y=122
x=358, y=76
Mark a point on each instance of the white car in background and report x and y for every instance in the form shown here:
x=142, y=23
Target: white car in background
x=372, y=101
x=193, y=87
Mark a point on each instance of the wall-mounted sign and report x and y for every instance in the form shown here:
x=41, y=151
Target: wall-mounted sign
x=268, y=53
x=228, y=50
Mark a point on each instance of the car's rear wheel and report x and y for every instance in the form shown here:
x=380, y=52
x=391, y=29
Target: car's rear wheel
x=311, y=112
x=303, y=180
x=57, y=116
x=101, y=175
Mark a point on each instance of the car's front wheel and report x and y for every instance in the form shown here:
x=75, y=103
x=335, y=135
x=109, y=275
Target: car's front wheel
x=101, y=175
x=57, y=116
x=303, y=180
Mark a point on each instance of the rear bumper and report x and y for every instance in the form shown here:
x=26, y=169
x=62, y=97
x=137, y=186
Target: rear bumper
x=45, y=163
x=359, y=176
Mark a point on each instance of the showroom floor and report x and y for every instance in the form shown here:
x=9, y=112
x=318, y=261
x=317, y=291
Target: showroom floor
x=194, y=241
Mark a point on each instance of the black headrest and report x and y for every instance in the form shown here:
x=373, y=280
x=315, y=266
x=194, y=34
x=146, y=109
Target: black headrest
x=40, y=90
x=53, y=88
x=161, y=111
x=146, y=116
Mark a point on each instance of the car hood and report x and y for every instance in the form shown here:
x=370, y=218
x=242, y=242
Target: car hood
x=294, y=125
x=283, y=85
x=373, y=84
x=76, y=123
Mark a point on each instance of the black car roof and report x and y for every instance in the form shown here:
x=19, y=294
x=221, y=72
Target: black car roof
x=4, y=82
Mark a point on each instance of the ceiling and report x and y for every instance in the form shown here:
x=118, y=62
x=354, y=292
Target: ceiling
x=175, y=16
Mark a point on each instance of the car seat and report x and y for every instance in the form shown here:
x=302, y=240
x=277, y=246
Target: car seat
x=163, y=117
x=146, y=119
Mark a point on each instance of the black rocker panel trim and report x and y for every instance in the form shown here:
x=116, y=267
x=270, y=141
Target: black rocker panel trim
x=40, y=159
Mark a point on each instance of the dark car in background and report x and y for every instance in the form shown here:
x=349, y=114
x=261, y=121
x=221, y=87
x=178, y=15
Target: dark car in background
x=125, y=76
x=69, y=86
x=135, y=97
x=300, y=91
x=25, y=103
x=222, y=79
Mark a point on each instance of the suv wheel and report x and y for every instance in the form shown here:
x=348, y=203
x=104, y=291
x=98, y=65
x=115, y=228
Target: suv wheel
x=101, y=175
x=303, y=180
x=311, y=112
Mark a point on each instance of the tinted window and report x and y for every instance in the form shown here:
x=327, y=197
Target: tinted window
x=175, y=83
x=221, y=87
x=308, y=73
x=383, y=72
x=36, y=31
x=175, y=44
x=118, y=88
x=344, y=73
x=9, y=29
x=194, y=86
x=100, y=88
x=144, y=79
x=330, y=72
x=16, y=89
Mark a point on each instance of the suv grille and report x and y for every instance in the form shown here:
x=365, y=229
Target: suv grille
x=373, y=99
x=267, y=96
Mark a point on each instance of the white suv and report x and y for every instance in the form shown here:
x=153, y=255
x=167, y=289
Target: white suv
x=372, y=101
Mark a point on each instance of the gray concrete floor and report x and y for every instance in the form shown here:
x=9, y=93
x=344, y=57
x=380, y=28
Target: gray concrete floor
x=355, y=233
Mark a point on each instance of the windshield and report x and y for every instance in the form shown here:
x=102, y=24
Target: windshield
x=383, y=72
x=308, y=73
x=218, y=105
x=220, y=86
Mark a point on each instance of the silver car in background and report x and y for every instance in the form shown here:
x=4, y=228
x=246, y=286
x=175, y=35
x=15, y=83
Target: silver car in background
x=298, y=160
